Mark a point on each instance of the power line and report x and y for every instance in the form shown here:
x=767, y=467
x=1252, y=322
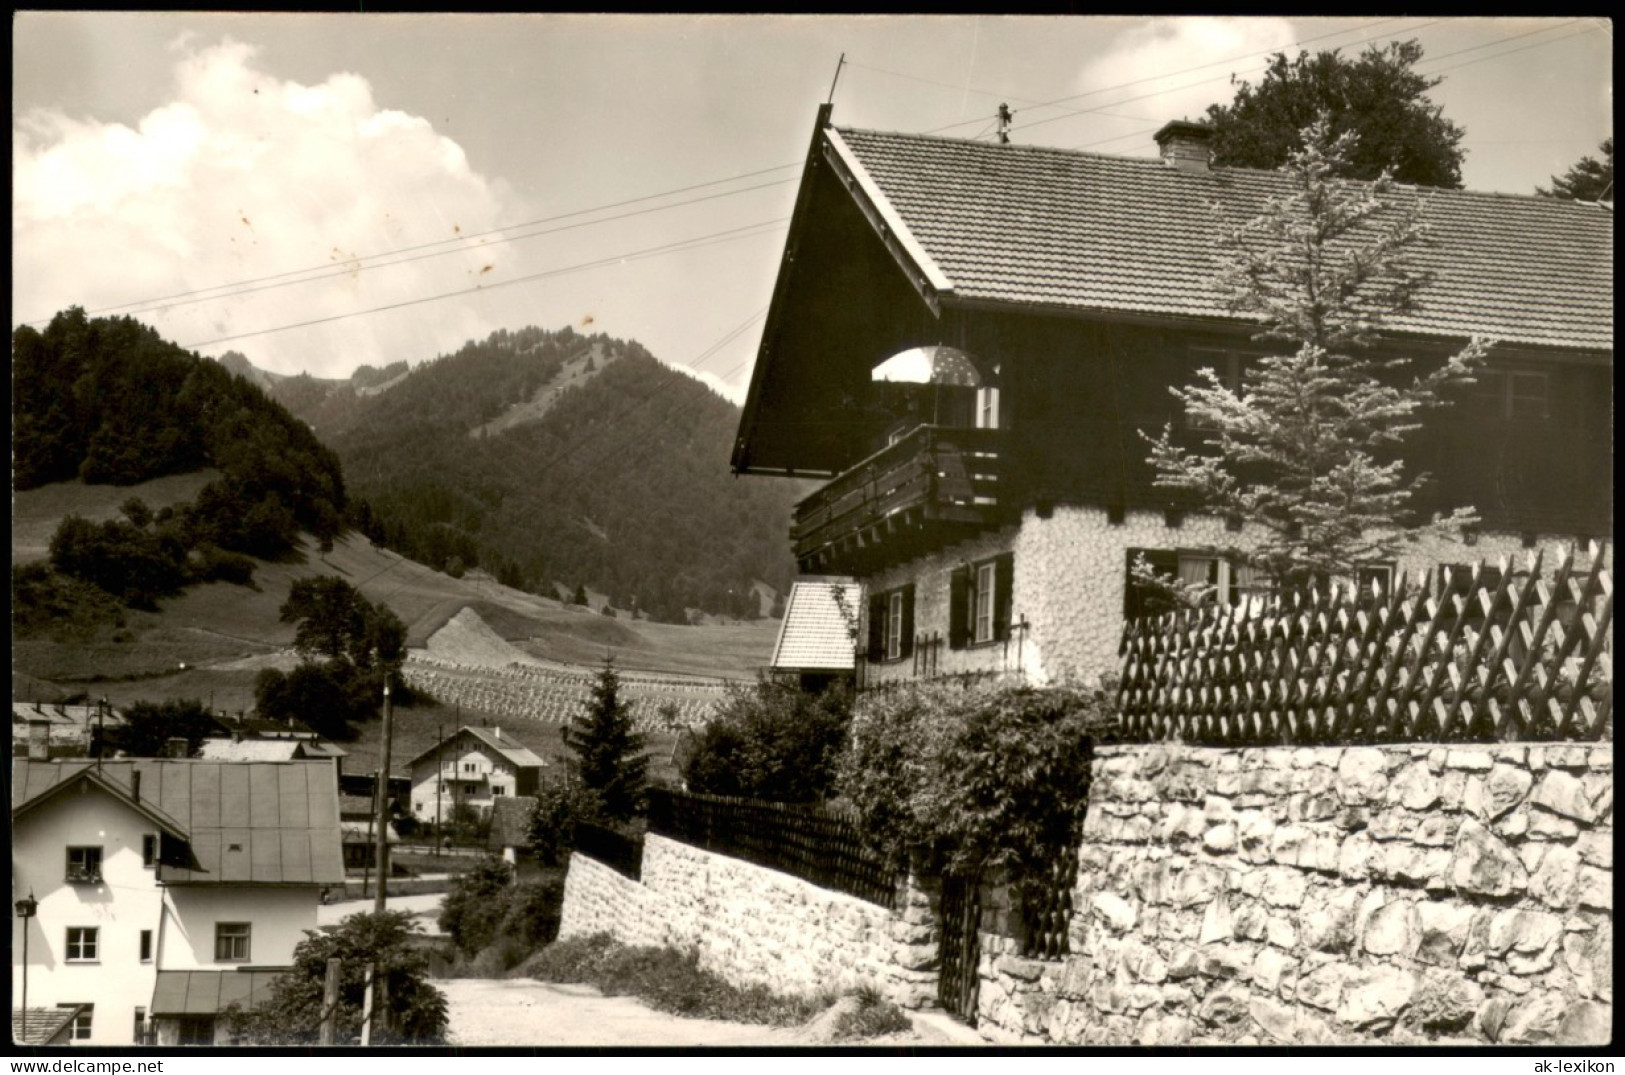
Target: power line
x=351, y=270
x=711, y=239
x=327, y=271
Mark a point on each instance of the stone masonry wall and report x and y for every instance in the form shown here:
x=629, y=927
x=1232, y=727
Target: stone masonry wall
x=755, y=925
x=1400, y=893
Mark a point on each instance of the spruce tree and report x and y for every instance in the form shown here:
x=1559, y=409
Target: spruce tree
x=1308, y=449
x=609, y=758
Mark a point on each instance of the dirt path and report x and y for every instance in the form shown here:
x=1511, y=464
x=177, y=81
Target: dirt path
x=524, y=1012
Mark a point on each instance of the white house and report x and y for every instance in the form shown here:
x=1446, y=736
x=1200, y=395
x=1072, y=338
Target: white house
x=476, y=767
x=165, y=888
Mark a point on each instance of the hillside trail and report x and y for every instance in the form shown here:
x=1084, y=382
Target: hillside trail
x=523, y=1012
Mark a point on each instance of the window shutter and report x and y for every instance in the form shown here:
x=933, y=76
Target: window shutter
x=1004, y=577
x=877, y=627
x=906, y=648
x=958, y=608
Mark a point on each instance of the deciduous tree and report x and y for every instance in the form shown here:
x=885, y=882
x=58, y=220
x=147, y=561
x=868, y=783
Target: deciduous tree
x=1378, y=96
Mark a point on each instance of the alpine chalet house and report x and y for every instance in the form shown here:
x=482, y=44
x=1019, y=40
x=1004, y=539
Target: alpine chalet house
x=966, y=339
x=475, y=767
x=164, y=890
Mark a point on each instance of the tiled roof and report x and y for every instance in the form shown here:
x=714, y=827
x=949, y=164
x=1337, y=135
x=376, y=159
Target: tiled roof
x=815, y=633
x=248, y=749
x=510, y=822
x=506, y=745
x=245, y=822
x=209, y=992
x=44, y=1024
x=1060, y=228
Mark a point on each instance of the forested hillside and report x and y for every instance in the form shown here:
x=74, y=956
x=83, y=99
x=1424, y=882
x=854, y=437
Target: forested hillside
x=109, y=401
x=619, y=482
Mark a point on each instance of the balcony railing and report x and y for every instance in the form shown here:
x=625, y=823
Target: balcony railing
x=934, y=481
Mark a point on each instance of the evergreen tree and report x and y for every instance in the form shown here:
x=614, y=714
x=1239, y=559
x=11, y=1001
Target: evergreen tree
x=1589, y=180
x=1378, y=96
x=609, y=758
x=1307, y=450
x=580, y=595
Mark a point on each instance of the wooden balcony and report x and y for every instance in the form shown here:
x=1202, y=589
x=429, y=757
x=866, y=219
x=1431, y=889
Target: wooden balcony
x=935, y=485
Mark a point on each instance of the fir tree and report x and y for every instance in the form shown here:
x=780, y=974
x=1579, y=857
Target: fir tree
x=1307, y=450
x=609, y=758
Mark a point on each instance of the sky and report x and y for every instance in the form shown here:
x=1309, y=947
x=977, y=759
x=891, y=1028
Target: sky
x=323, y=191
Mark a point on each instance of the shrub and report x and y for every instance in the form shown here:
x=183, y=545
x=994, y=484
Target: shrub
x=973, y=779
x=293, y=1014
x=872, y=1016
x=560, y=806
x=665, y=979
x=474, y=907
x=772, y=742
x=573, y=961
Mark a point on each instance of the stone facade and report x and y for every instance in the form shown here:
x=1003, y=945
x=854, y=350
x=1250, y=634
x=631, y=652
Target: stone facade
x=1399, y=894
x=755, y=925
x=1071, y=570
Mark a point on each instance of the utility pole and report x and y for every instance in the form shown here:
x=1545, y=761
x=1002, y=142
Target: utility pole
x=383, y=809
x=330, y=1003
x=1005, y=116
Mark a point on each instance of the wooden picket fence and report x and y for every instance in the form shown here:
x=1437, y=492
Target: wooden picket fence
x=1480, y=654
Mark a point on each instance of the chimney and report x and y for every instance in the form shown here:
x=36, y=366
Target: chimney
x=135, y=784
x=175, y=747
x=496, y=733
x=1185, y=145
x=39, y=740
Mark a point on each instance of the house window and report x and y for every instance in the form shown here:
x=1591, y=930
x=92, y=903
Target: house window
x=498, y=789
x=979, y=602
x=149, y=850
x=468, y=767
x=82, y=944
x=471, y=789
x=84, y=865
x=195, y=1030
x=146, y=946
x=987, y=408
x=891, y=624
x=1380, y=576
x=231, y=942
x=79, y=1030
x=1514, y=395
x=982, y=631
x=1222, y=581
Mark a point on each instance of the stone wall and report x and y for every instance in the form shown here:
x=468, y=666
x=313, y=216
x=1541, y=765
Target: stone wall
x=1393, y=894
x=751, y=924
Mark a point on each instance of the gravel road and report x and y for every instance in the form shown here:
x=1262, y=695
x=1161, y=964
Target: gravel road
x=523, y=1012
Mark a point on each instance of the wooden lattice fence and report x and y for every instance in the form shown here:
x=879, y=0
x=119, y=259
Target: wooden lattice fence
x=1480, y=653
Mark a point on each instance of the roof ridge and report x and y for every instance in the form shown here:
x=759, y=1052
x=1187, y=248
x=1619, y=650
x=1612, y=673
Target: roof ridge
x=1156, y=162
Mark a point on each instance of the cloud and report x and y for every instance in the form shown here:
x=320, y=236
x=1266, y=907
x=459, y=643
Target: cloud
x=1176, y=67
x=242, y=176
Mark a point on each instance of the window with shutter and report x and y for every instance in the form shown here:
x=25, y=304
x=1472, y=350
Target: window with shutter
x=959, y=597
x=1004, y=577
x=906, y=627
x=877, y=627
